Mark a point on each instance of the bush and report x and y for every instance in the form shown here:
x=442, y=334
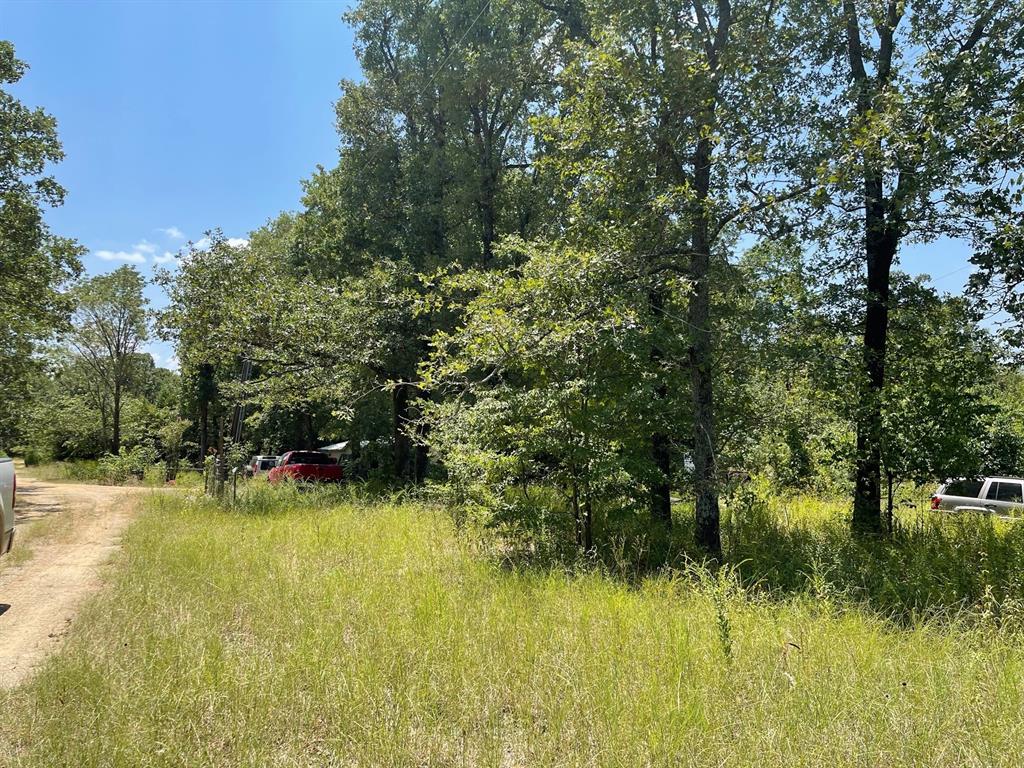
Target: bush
x=33, y=455
x=128, y=464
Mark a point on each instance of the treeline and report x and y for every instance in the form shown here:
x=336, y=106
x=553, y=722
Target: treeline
x=90, y=392
x=576, y=258
x=579, y=258
x=94, y=391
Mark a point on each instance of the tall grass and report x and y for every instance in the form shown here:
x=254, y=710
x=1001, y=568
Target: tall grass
x=301, y=629
x=81, y=471
x=934, y=565
x=93, y=471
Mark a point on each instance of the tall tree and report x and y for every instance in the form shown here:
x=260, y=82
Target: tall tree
x=680, y=124
x=434, y=167
x=933, y=99
x=110, y=324
x=34, y=264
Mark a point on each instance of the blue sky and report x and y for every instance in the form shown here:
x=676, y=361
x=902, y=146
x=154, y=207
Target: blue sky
x=180, y=117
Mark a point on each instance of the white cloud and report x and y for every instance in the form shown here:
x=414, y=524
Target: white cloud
x=204, y=243
x=172, y=232
x=145, y=247
x=167, y=258
x=133, y=257
x=163, y=356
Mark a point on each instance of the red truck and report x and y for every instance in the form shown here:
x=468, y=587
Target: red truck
x=306, y=466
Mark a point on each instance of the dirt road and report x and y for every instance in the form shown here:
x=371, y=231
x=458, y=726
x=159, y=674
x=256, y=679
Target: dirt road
x=78, y=527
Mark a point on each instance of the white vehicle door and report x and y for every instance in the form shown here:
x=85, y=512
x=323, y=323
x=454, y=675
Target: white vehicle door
x=7, y=485
x=1005, y=497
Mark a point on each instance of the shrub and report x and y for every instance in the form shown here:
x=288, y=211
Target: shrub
x=33, y=455
x=128, y=464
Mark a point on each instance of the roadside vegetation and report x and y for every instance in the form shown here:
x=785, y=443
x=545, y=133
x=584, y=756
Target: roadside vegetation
x=318, y=631
x=115, y=471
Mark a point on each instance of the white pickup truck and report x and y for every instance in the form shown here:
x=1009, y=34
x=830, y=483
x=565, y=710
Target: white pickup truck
x=8, y=486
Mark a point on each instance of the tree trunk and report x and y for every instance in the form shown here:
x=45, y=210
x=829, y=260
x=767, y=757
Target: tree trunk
x=574, y=503
x=220, y=465
x=312, y=437
x=661, y=449
x=204, y=430
x=488, y=214
x=661, y=455
x=881, y=237
x=889, y=509
x=400, y=418
x=421, y=460
x=588, y=525
x=705, y=482
x=880, y=247
x=115, y=440
x=104, y=423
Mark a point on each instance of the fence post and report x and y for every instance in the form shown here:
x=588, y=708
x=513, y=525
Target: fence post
x=209, y=476
x=218, y=476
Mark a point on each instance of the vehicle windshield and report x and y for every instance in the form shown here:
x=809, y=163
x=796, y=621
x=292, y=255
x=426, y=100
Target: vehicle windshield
x=309, y=457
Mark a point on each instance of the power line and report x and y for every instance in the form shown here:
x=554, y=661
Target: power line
x=950, y=274
x=461, y=39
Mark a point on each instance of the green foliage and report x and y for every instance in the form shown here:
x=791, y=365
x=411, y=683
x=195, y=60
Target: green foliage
x=562, y=238
x=999, y=255
x=1004, y=453
x=937, y=406
x=548, y=365
x=31, y=455
x=229, y=304
x=128, y=464
x=70, y=412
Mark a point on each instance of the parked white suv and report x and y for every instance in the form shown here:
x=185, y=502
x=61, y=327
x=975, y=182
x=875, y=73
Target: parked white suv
x=1001, y=495
x=260, y=464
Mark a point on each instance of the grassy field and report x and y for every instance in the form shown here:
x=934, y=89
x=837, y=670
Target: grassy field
x=319, y=633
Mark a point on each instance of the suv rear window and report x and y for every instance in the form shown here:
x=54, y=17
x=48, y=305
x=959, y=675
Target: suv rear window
x=970, y=489
x=1008, y=491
